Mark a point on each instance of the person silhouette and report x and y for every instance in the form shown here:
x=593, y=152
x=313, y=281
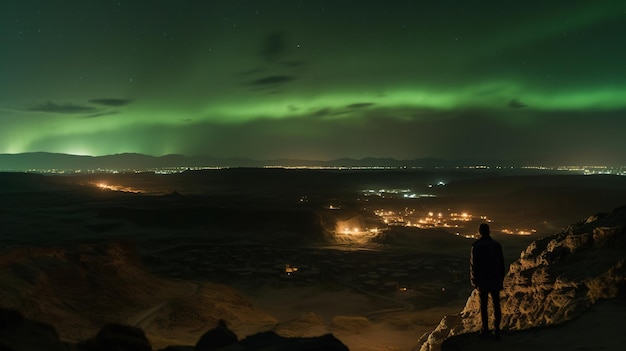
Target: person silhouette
x=487, y=275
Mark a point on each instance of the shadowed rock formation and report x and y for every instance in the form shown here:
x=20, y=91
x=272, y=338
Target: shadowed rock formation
x=116, y=337
x=555, y=279
x=216, y=338
x=270, y=341
x=19, y=333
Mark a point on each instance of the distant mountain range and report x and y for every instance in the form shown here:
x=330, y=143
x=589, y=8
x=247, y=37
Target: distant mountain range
x=39, y=161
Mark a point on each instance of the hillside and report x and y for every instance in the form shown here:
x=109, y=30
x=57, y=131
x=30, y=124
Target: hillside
x=80, y=289
x=556, y=279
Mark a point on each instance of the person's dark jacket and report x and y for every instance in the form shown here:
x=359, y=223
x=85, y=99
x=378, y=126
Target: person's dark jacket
x=487, y=265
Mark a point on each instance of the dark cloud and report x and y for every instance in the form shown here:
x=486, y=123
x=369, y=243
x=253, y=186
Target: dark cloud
x=515, y=103
x=360, y=105
x=274, y=47
x=111, y=102
x=322, y=112
x=52, y=107
x=102, y=114
x=272, y=80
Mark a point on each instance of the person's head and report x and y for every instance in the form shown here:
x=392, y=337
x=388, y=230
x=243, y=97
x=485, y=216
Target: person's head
x=483, y=229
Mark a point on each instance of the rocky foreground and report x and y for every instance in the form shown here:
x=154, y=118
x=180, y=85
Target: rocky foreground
x=555, y=280
x=99, y=297
x=19, y=333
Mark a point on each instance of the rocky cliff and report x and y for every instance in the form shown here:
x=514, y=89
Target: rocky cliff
x=555, y=279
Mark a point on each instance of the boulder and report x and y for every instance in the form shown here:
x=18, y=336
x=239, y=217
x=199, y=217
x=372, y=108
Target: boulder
x=216, y=338
x=19, y=333
x=116, y=337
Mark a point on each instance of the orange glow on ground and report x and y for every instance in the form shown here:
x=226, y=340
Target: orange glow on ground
x=121, y=188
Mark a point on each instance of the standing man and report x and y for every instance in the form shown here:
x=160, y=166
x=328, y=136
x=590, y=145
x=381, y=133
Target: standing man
x=487, y=275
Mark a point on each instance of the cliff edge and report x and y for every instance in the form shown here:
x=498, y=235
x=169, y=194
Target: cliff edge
x=555, y=279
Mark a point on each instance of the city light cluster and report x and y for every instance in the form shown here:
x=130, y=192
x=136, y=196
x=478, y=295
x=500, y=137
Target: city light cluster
x=358, y=231
x=518, y=231
x=587, y=170
x=410, y=218
x=396, y=193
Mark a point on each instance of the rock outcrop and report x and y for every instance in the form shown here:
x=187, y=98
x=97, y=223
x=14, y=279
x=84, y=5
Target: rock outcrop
x=20, y=333
x=220, y=336
x=116, y=337
x=555, y=279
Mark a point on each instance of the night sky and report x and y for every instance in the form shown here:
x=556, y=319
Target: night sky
x=536, y=81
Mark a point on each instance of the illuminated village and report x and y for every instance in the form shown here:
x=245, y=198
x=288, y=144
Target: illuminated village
x=424, y=219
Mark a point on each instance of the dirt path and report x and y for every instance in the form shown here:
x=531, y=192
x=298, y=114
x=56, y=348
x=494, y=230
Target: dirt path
x=143, y=318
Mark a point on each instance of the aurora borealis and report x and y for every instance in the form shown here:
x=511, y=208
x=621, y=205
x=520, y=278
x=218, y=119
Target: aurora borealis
x=537, y=81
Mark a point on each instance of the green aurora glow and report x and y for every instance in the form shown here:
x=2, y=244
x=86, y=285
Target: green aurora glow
x=538, y=82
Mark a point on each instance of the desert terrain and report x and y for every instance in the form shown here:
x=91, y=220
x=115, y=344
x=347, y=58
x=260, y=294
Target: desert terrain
x=302, y=253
